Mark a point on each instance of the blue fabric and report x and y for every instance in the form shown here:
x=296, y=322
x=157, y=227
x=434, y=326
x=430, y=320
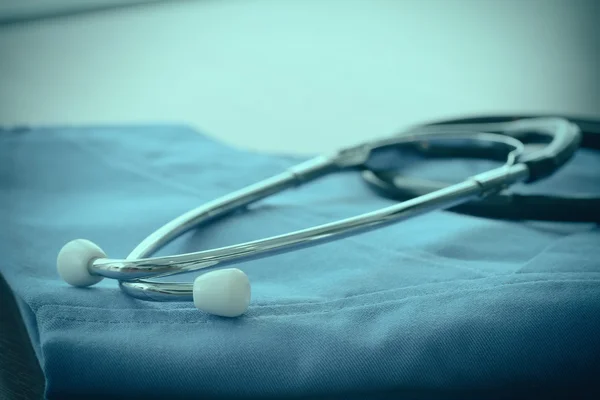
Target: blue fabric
x=442, y=306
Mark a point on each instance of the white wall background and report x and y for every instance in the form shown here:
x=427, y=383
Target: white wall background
x=302, y=76
x=16, y=10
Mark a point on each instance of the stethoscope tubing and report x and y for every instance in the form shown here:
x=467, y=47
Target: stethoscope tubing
x=504, y=205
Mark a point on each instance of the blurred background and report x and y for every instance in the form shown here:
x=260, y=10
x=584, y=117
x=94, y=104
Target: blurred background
x=295, y=76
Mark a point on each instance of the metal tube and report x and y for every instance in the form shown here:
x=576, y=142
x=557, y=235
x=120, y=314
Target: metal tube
x=235, y=201
x=132, y=270
x=445, y=198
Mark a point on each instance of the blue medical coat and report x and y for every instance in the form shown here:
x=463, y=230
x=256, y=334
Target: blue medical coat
x=441, y=306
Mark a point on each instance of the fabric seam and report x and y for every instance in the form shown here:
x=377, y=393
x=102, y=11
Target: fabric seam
x=312, y=312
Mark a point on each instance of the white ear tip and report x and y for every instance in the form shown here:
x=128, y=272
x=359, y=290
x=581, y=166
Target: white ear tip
x=74, y=259
x=224, y=292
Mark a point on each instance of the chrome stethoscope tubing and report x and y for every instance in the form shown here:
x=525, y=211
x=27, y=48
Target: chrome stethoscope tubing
x=134, y=268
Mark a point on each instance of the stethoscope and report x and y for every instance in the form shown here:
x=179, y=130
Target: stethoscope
x=226, y=291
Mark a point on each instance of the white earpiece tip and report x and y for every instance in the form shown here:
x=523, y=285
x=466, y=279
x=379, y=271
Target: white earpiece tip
x=73, y=262
x=224, y=292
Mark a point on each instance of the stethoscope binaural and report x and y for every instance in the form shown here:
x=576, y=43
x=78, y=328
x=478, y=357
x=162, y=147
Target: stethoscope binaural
x=226, y=292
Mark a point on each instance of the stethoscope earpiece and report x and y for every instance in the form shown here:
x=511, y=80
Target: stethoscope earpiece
x=224, y=292
x=74, y=260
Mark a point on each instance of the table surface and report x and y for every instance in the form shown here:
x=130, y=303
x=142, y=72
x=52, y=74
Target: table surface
x=302, y=77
